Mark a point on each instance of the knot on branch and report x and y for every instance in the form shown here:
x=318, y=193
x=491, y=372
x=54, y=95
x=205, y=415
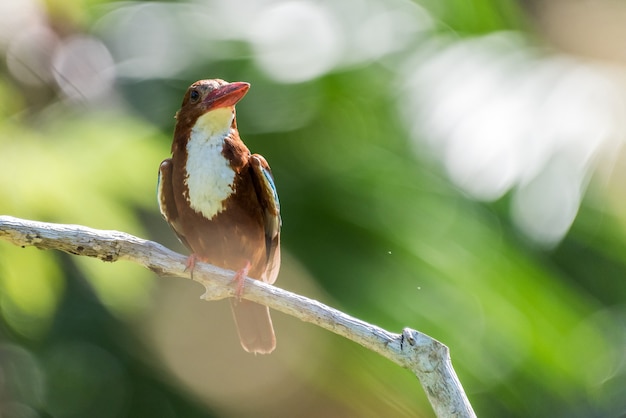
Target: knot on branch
x=426, y=352
x=215, y=292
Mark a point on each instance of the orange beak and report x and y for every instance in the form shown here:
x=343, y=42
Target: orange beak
x=226, y=95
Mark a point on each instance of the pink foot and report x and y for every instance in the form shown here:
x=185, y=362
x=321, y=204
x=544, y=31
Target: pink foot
x=190, y=265
x=240, y=279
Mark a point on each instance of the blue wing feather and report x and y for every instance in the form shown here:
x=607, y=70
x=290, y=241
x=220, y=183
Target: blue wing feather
x=268, y=199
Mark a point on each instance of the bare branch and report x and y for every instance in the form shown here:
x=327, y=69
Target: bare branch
x=426, y=357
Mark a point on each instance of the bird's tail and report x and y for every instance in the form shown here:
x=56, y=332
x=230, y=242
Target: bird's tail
x=254, y=325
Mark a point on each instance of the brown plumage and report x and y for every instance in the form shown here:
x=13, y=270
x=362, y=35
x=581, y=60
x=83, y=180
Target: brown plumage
x=221, y=201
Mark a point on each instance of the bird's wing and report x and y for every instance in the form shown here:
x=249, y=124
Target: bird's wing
x=268, y=198
x=165, y=193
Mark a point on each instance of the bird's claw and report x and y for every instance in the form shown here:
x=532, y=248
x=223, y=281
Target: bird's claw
x=240, y=280
x=190, y=264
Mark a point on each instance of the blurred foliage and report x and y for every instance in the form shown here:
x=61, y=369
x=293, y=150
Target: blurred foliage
x=372, y=226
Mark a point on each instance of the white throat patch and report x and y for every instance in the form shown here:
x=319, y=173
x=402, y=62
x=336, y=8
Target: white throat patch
x=209, y=177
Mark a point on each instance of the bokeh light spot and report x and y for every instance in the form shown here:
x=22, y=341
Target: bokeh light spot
x=83, y=69
x=30, y=54
x=296, y=41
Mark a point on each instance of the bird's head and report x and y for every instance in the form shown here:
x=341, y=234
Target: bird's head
x=210, y=105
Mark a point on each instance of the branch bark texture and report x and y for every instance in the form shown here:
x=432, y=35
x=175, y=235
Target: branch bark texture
x=426, y=357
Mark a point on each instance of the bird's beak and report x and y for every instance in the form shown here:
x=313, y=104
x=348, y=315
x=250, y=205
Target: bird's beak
x=226, y=95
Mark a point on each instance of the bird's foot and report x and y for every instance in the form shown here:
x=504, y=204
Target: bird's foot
x=240, y=280
x=190, y=264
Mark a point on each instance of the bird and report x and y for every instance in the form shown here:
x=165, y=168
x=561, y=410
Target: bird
x=221, y=200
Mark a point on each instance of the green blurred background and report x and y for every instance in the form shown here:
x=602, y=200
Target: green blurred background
x=451, y=166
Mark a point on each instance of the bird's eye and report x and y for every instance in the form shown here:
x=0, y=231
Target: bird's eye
x=194, y=96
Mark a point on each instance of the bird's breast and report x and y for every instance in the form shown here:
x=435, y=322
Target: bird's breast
x=209, y=177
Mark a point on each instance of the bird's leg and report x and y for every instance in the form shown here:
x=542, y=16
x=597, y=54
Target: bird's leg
x=240, y=279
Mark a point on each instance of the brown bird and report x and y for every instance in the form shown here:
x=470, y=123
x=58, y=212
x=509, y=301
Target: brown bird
x=221, y=201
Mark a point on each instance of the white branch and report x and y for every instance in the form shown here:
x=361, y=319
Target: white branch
x=426, y=357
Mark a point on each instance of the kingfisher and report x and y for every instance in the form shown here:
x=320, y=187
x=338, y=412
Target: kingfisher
x=221, y=200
